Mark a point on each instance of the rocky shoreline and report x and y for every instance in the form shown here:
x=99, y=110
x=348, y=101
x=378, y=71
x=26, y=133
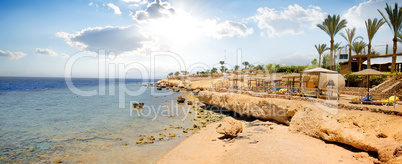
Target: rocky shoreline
x=371, y=130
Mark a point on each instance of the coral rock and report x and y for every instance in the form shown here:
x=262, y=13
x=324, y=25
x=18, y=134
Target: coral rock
x=230, y=127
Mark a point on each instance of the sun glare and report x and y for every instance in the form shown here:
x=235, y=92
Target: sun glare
x=178, y=30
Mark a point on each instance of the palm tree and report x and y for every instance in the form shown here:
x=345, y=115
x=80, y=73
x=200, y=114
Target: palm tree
x=214, y=70
x=372, y=27
x=350, y=38
x=375, y=52
x=400, y=36
x=245, y=64
x=236, y=67
x=185, y=73
x=222, y=67
x=177, y=73
x=331, y=26
x=337, y=47
x=394, y=22
x=170, y=74
x=358, y=47
x=270, y=68
x=321, y=48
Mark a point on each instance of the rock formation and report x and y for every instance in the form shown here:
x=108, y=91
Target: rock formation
x=230, y=127
x=361, y=129
x=263, y=108
x=365, y=130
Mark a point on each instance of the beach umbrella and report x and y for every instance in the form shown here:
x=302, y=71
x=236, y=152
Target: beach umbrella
x=317, y=71
x=291, y=75
x=334, y=80
x=368, y=72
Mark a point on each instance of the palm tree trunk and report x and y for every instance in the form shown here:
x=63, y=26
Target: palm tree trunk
x=350, y=59
x=331, y=55
x=393, y=65
x=334, y=60
x=319, y=61
x=368, y=55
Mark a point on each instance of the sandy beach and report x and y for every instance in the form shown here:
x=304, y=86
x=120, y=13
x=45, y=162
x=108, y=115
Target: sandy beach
x=264, y=142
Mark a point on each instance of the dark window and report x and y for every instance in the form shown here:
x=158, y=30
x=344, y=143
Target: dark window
x=343, y=56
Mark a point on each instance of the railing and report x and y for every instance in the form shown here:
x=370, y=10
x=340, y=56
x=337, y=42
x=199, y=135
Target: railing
x=396, y=86
x=386, y=84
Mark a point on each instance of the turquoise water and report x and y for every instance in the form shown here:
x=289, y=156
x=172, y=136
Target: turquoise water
x=45, y=125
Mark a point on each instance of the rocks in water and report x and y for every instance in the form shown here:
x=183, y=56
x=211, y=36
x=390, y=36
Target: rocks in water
x=159, y=88
x=189, y=103
x=180, y=85
x=195, y=92
x=135, y=105
x=180, y=99
x=151, y=138
x=171, y=135
x=230, y=127
x=138, y=105
x=203, y=122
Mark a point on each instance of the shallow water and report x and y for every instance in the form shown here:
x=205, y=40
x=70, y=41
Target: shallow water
x=45, y=125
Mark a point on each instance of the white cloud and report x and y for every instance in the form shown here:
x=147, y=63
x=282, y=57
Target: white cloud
x=131, y=1
x=357, y=15
x=115, y=8
x=291, y=20
x=12, y=55
x=45, y=51
x=226, y=29
x=154, y=10
x=112, y=39
x=90, y=3
x=136, y=1
x=48, y=52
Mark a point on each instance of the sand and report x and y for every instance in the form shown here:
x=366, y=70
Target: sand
x=269, y=143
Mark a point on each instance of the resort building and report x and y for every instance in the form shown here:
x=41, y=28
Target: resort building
x=378, y=62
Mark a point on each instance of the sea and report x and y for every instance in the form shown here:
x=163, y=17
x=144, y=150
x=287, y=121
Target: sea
x=47, y=120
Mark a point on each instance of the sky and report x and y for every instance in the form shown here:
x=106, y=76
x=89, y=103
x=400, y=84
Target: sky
x=151, y=38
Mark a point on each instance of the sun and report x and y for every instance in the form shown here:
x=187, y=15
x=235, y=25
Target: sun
x=179, y=29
